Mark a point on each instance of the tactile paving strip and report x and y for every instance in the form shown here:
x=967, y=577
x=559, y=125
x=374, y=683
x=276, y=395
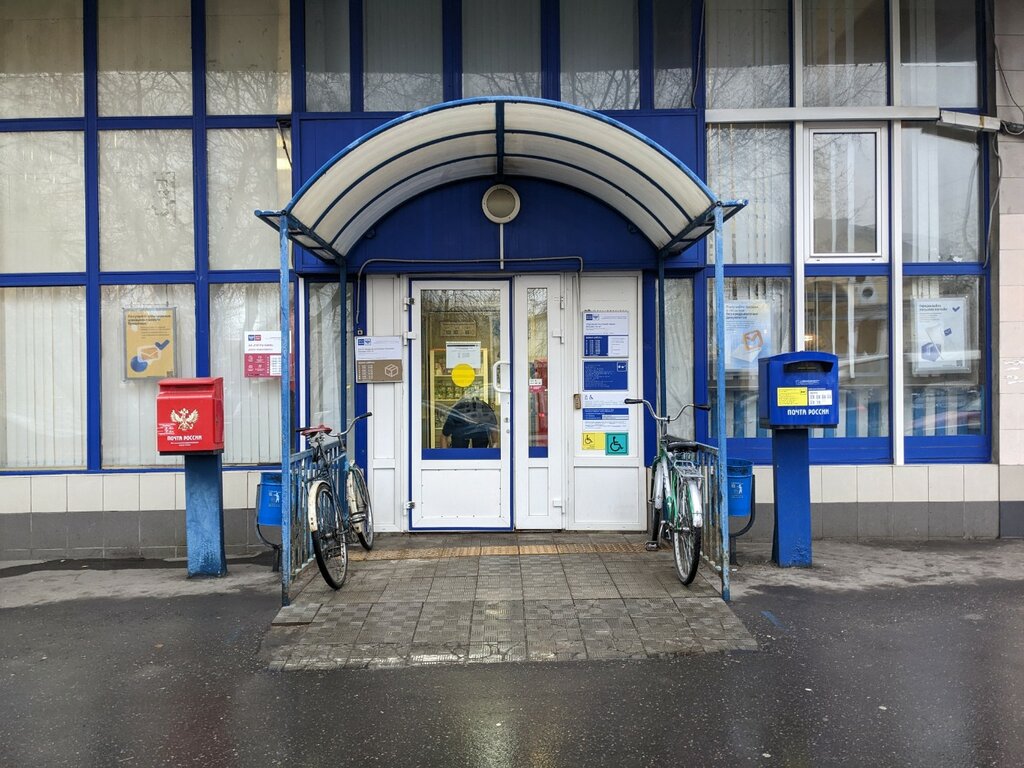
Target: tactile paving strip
x=437, y=553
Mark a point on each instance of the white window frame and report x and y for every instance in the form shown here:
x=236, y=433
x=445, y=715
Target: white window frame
x=806, y=194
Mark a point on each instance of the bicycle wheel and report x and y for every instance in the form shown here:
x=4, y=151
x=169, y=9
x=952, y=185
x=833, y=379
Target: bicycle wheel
x=329, y=544
x=685, y=535
x=359, y=510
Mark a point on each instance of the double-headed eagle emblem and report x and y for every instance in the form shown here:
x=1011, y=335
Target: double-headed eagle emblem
x=185, y=419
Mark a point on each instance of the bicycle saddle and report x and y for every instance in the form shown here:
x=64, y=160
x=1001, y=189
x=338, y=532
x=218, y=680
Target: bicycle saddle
x=317, y=430
x=676, y=444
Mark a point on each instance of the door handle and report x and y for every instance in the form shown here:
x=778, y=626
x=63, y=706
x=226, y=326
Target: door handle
x=497, y=379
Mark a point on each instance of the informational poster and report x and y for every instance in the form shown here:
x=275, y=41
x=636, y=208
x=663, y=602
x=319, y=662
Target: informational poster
x=592, y=441
x=149, y=342
x=940, y=336
x=604, y=375
x=606, y=334
x=462, y=353
x=616, y=444
x=262, y=355
x=378, y=359
x=604, y=413
x=747, y=333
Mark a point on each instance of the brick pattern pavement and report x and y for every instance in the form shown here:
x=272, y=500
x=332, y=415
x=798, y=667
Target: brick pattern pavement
x=528, y=597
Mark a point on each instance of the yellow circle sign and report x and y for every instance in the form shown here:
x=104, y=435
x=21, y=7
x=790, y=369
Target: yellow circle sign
x=463, y=375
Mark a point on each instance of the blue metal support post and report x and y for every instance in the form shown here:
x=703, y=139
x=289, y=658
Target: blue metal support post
x=791, y=542
x=286, y=417
x=720, y=470
x=204, y=515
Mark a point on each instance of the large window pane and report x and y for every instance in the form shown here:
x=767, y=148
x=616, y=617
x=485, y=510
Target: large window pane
x=41, y=58
x=537, y=364
x=134, y=361
x=845, y=193
x=679, y=352
x=673, y=52
x=599, y=54
x=402, y=50
x=249, y=169
x=328, y=79
x=145, y=57
x=42, y=202
x=849, y=317
x=753, y=162
x=939, y=53
x=757, y=324
x=247, y=57
x=941, y=195
x=748, y=53
x=845, y=53
x=146, y=200
x=252, y=406
x=500, y=48
x=42, y=378
x=944, y=357
x=325, y=355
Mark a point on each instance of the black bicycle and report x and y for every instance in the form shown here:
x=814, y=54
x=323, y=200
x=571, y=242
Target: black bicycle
x=332, y=525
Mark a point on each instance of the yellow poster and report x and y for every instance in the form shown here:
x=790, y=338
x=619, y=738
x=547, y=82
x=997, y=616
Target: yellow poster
x=150, y=351
x=791, y=396
x=593, y=441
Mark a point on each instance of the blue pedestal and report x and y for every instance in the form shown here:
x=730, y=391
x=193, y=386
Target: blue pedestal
x=791, y=543
x=204, y=516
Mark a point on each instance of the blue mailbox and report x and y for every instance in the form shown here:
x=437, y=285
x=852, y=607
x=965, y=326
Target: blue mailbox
x=796, y=391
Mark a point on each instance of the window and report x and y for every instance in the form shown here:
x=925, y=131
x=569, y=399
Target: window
x=403, y=57
x=846, y=194
x=328, y=80
x=600, y=68
x=324, y=355
x=247, y=57
x=42, y=202
x=844, y=53
x=673, y=51
x=753, y=161
x=42, y=378
x=939, y=53
x=748, y=54
x=679, y=347
x=145, y=57
x=500, y=48
x=130, y=372
x=146, y=208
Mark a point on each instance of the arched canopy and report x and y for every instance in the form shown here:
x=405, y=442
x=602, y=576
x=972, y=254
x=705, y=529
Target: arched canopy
x=500, y=137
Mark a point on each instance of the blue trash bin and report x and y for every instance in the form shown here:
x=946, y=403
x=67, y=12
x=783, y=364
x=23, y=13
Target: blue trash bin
x=268, y=499
x=740, y=477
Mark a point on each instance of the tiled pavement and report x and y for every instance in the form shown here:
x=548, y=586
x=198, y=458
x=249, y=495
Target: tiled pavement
x=457, y=599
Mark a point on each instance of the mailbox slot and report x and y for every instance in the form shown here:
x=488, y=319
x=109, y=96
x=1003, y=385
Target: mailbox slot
x=190, y=416
x=798, y=390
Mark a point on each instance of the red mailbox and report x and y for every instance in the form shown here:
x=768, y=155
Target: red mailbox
x=190, y=416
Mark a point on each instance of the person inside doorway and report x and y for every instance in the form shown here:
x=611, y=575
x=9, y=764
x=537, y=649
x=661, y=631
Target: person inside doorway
x=471, y=423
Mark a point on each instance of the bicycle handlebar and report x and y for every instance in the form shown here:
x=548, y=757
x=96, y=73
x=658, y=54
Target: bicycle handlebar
x=325, y=430
x=665, y=419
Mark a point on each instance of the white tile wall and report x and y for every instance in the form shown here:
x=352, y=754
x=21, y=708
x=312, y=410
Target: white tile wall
x=981, y=482
x=236, y=488
x=1011, y=483
x=120, y=492
x=909, y=483
x=838, y=484
x=179, y=491
x=85, y=493
x=49, y=493
x=945, y=482
x=764, y=487
x=156, y=491
x=874, y=484
x=815, y=484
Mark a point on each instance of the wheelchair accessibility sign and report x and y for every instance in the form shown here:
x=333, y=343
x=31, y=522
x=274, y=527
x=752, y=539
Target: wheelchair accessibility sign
x=616, y=444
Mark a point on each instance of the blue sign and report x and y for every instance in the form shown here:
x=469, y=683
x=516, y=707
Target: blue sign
x=601, y=375
x=595, y=346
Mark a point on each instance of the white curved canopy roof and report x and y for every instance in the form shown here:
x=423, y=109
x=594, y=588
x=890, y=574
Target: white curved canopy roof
x=500, y=137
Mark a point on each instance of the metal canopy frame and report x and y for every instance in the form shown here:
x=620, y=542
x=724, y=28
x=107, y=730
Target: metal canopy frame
x=552, y=140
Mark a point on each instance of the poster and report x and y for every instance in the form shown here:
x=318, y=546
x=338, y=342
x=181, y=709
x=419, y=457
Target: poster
x=462, y=353
x=262, y=355
x=940, y=335
x=150, y=349
x=606, y=334
x=378, y=359
x=605, y=412
x=601, y=375
x=747, y=334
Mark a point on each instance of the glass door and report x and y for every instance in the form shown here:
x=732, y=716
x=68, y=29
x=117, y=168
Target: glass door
x=461, y=406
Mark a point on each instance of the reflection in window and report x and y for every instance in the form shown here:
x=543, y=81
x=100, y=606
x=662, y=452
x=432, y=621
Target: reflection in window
x=673, y=45
x=944, y=356
x=757, y=323
x=679, y=352
x=252, y=406
x=599, y=54
x=249, y=169
x=248, y=70
x=537, y=354
x=941, y=195
x=500, y=48
x=146, y=200
x=41, y=59
x=403, y=57
x=845, y=192
x=325, y=356
x=753, y=162
x=145, y=57
x=46, y=167
x=845, y=53
x=849, y=317
x=328, y=80
x=42, y=378
x=748, y=53
x=939, y=53
x=130, y=374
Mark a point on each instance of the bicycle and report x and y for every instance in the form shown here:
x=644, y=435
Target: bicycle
x=676, y=495
x=331, y=525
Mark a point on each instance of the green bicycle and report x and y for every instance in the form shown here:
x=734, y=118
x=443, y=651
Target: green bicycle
x=676, y=495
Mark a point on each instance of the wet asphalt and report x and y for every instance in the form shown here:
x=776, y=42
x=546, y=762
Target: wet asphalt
x=920, y=674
